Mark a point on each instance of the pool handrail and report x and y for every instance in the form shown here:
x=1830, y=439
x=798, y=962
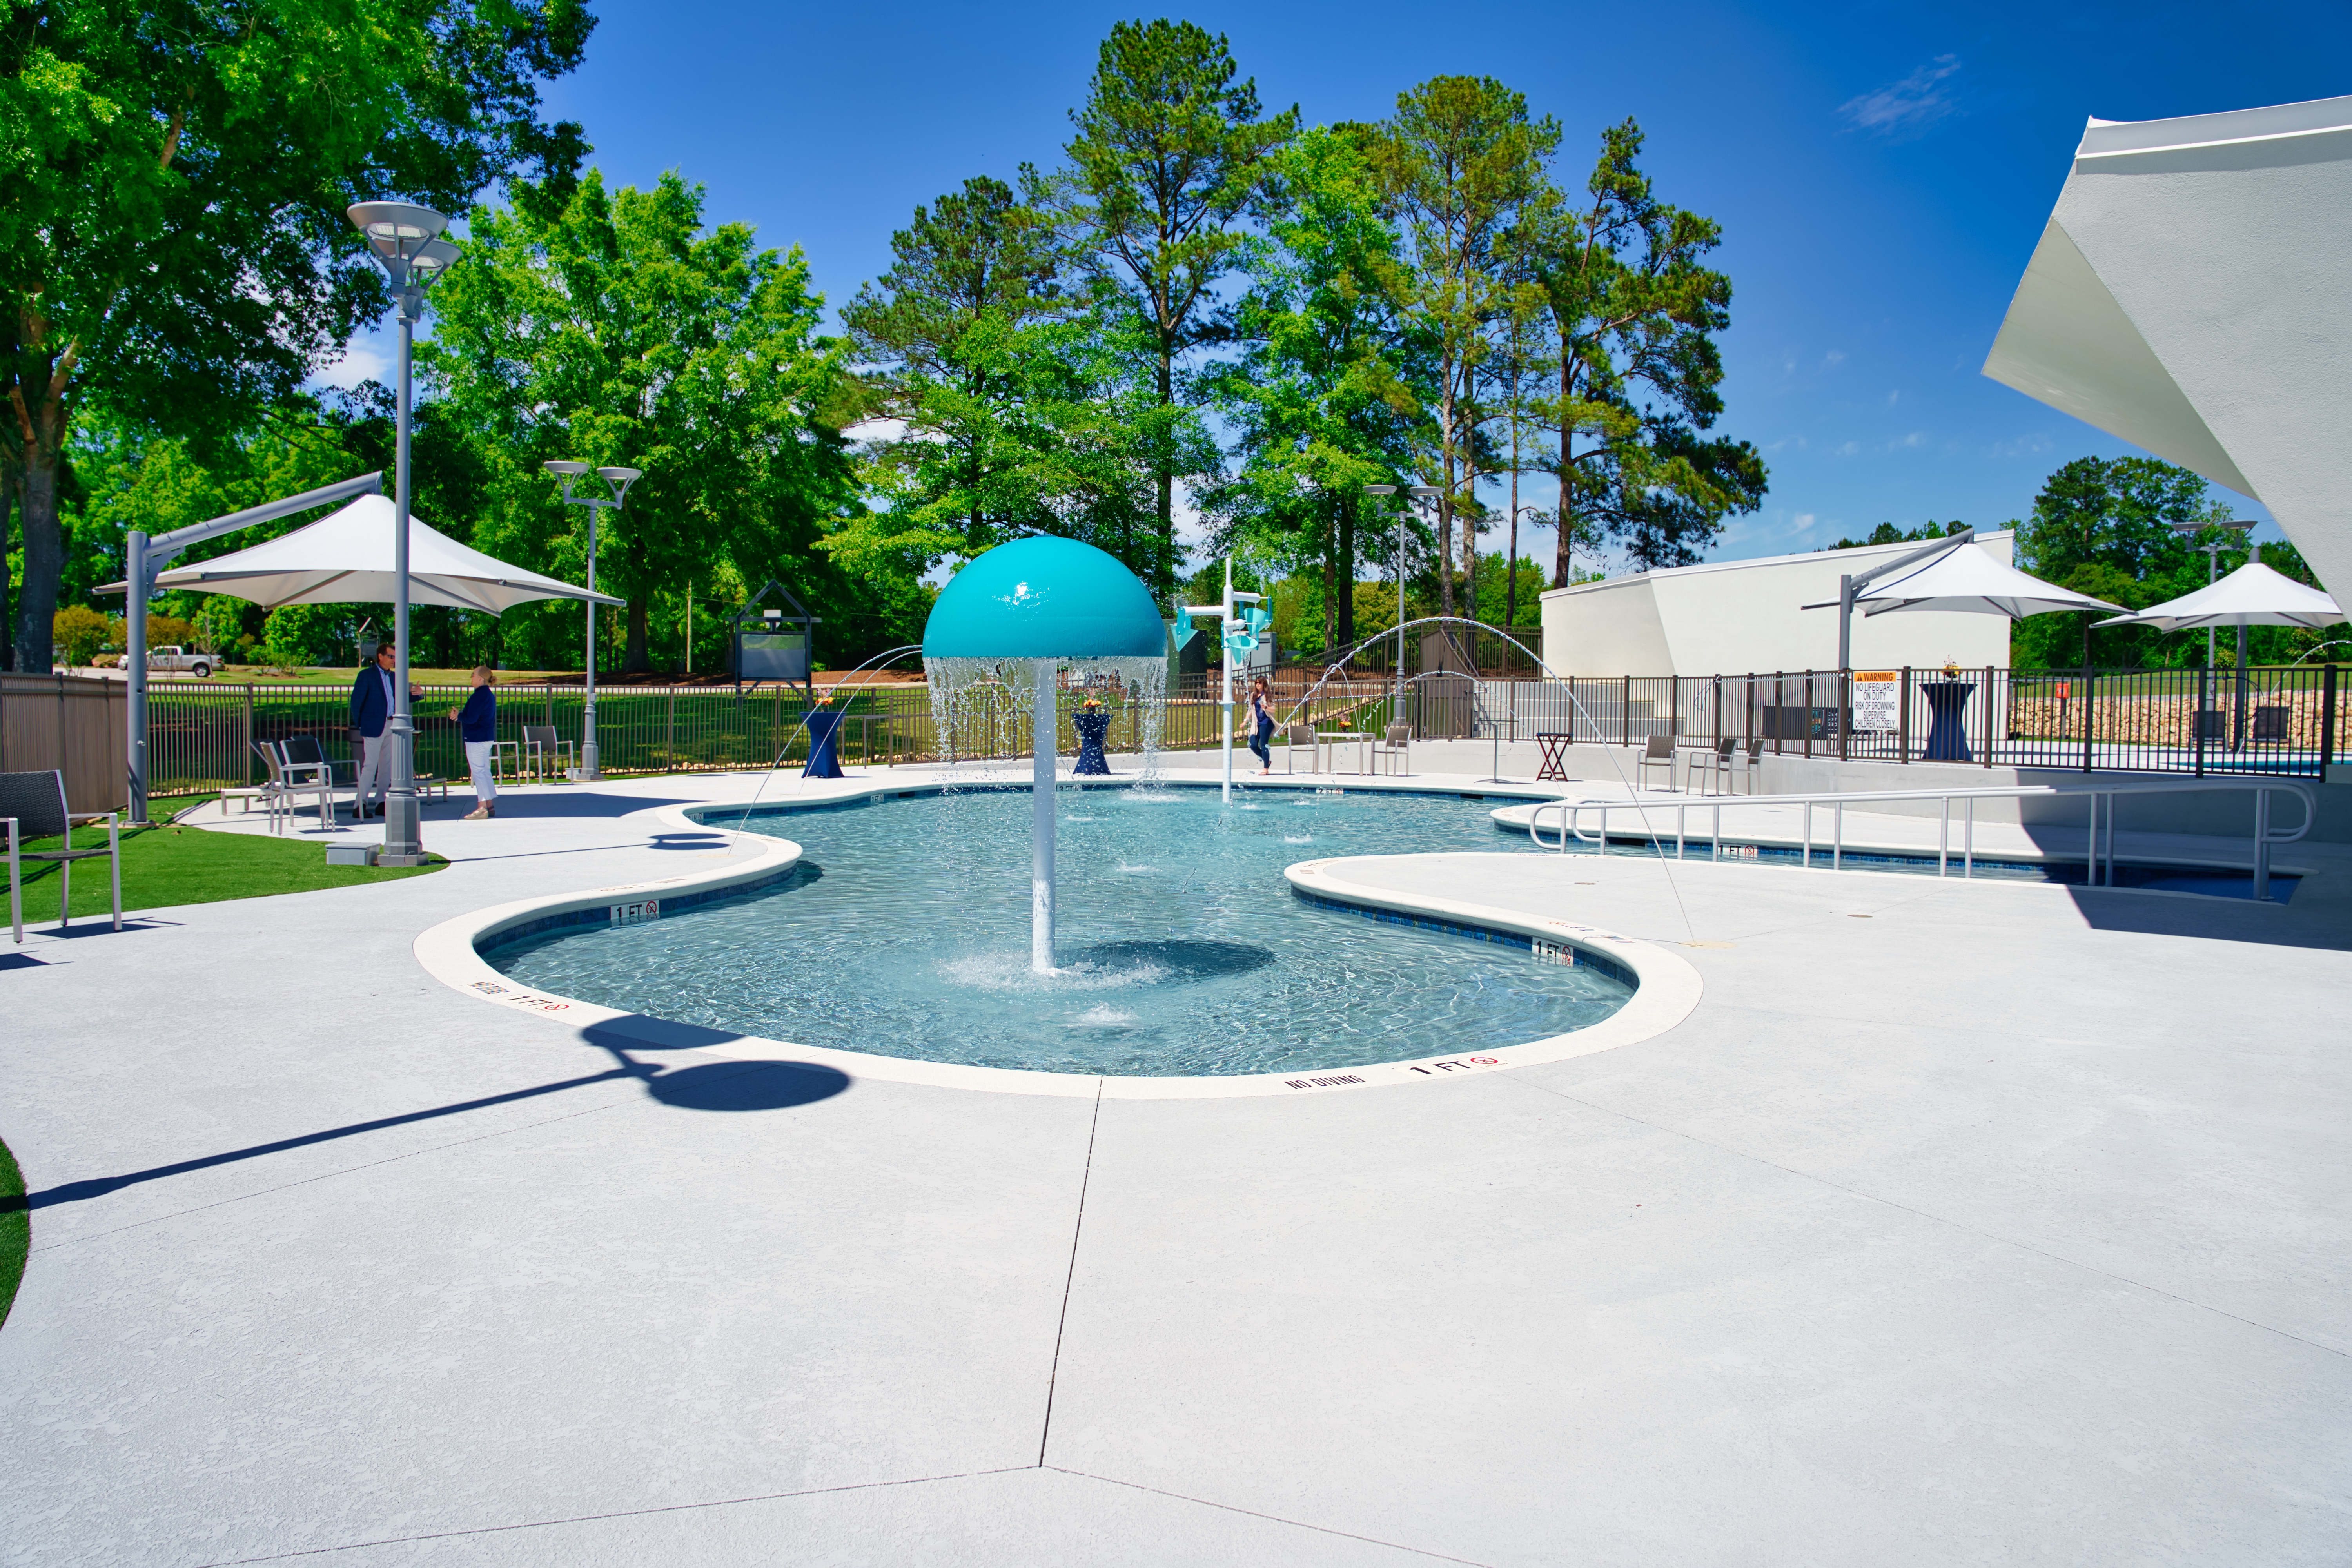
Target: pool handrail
x=2264, y=838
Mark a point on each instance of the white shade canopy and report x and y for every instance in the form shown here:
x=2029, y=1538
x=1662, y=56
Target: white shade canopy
x=1973, y=582
x=346, y=557
x=2192, y=293
x=2252, y=595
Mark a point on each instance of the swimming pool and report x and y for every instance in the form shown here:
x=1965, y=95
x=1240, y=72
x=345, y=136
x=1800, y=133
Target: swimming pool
x=904, y=931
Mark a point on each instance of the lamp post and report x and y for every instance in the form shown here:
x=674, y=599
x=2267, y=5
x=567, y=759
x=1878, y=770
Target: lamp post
x=406, y=243
x=617, y=485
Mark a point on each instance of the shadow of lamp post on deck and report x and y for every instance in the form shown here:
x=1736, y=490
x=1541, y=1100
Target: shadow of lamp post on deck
x=406, y=242
x=617, y=491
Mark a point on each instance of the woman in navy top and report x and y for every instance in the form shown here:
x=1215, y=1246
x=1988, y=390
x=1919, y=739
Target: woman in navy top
x=477, y=726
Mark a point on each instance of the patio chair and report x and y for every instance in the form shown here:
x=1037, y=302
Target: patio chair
x=2212, y=724
x=34, y=806
x=1395, y=744
x=1714, y=764
x=1294, y=736
x=266, y=791
x=2270, y=727
x=1751, y=763
x=1661, y=748
x=297, y=776
x=542, y=745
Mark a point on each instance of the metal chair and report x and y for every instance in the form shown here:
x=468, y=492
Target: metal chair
x=1660, y=750
x=34, y=806
x=1715, y=764
x=542, y=745
x=1294, y=736
x=305, y=772
x=2270, y=727
x=1751, y=763
x=1395, y=743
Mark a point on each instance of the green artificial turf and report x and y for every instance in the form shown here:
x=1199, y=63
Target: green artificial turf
x=164, y=865
x=15, y=1230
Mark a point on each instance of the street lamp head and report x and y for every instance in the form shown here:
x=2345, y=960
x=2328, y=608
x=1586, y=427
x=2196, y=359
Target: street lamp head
x=432, y=258
x=1380, y=489
x=1425, y=492
x=563, y=468
x=394, y=227
x=620, y=479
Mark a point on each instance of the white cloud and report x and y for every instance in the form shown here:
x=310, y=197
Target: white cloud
x=1835, y=356
x=363, y=359
x=1905, y=106
x=1845, y=448
x=1891, y=397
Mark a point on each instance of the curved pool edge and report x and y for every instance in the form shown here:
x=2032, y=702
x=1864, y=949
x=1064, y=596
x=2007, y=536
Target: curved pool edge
x=1667, y=988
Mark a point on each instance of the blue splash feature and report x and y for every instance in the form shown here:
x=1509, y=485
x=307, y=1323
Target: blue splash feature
x=1044, y=598
x=1183, y=951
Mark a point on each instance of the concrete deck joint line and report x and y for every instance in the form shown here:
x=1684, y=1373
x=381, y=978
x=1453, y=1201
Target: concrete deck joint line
x=2058, y=1258
x=1269, y=1518
x=1077, y=1229
x=617, y=1513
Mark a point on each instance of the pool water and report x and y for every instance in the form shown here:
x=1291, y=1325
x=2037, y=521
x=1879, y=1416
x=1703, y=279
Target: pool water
x=905, y=932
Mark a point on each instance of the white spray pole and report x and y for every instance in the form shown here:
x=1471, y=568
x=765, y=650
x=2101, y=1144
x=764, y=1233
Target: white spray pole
x=1044, y=727
x=1225, y=663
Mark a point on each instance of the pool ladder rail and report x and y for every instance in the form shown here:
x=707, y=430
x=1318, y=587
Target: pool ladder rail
x=2100, y=836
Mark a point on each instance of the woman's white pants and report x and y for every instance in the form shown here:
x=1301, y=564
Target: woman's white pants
x=478, y=762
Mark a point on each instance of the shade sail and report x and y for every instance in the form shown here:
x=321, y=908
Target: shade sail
x=1973, y=582
x=2192, y=293
x=2252, y=595
x=346, y=557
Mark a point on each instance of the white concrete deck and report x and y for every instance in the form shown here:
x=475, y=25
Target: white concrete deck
x=2010, y=1223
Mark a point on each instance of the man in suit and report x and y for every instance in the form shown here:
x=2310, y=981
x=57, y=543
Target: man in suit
x=370, y=710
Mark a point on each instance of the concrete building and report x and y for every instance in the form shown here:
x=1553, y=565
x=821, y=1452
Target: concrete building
x=2192, y=294
x=1728, y=617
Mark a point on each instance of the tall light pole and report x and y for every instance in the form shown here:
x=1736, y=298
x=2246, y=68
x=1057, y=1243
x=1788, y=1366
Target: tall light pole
x=2213, y=571
x=616, y=487
x=406, y=243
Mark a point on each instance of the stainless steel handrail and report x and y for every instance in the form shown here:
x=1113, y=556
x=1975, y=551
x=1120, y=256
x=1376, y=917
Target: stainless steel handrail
x=2100, y=835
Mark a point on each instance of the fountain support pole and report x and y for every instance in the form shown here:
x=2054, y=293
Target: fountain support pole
x=1044, y=726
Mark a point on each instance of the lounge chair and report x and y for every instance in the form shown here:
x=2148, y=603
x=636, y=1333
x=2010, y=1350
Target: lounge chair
x=34, y=806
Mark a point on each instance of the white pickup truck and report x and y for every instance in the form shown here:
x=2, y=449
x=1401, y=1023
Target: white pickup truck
x=175, y=659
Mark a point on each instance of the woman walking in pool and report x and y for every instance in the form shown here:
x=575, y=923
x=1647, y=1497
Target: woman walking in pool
x=1262, y=726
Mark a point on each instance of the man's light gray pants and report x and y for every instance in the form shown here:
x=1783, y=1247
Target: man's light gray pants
x=375, y=770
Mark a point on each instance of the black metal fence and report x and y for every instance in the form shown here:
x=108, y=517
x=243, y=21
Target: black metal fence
x=2275, y=721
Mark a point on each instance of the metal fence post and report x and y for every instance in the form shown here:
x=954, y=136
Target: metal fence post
x=1903, y=716
x=1987, y=721
x=2090, y=716
x=1780, y=711
x=1625, y=712
x=1809, y=713
x=2327, y=720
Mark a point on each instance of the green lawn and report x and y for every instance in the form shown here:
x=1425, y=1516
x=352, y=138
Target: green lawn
x=164, y=865
x=16, y=1229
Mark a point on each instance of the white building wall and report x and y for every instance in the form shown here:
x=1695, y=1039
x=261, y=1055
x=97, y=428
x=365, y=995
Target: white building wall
x=1728, y=617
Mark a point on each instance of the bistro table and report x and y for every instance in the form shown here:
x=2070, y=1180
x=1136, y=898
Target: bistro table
x=1334, y=739
x=1093, y=724
x=1948, y=730
x=1553, y=745
x=823, y=731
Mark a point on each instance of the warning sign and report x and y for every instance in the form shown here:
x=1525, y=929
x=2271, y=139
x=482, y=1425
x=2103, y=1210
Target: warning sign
x=1877, y=700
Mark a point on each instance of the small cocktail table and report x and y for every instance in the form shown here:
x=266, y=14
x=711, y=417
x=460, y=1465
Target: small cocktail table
x=1334, y=739
x=1553, y=745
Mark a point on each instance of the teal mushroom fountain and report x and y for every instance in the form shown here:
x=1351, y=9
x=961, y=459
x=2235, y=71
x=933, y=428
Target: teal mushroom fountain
x=1015, y=618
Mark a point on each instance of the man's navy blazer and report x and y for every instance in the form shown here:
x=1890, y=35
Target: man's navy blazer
x=371, y=700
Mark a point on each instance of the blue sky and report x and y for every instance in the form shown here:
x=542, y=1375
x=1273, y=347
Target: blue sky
x=1881, y=170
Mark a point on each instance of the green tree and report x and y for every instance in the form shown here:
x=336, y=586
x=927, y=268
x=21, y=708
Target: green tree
x=1322, y=400
x=173, y=244
x=619, y=331
x=2104, y=527
x=1463, y=160
x=1635, y=316
x=1170, y=151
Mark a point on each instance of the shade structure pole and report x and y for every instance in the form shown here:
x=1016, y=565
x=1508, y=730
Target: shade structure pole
x=1044, y=724
x=403, y=843
x=134, y=668
x=588, y=700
